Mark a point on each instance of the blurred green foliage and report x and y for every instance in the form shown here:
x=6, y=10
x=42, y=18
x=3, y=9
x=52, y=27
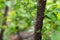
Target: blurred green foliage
x=51, y=26
x=22, y=13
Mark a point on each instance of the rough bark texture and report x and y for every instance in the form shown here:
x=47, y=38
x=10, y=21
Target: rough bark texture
x=4, y=23
x=39, y=19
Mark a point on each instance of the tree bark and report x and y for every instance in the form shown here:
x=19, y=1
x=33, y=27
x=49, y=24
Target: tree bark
x=39, y=19
x=4, y=23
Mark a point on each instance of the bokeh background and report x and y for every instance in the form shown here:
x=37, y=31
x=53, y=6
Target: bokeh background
x=23, y=14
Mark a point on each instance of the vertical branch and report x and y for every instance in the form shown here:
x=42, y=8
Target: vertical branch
x=18, y=33
x=4, y=23
x=17, y=28
x=39, y=19
x=5, y=14
x=1, y=34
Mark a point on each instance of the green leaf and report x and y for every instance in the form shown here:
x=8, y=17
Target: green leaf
x=51, y=16
x=55, y=36
x=57, y=10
